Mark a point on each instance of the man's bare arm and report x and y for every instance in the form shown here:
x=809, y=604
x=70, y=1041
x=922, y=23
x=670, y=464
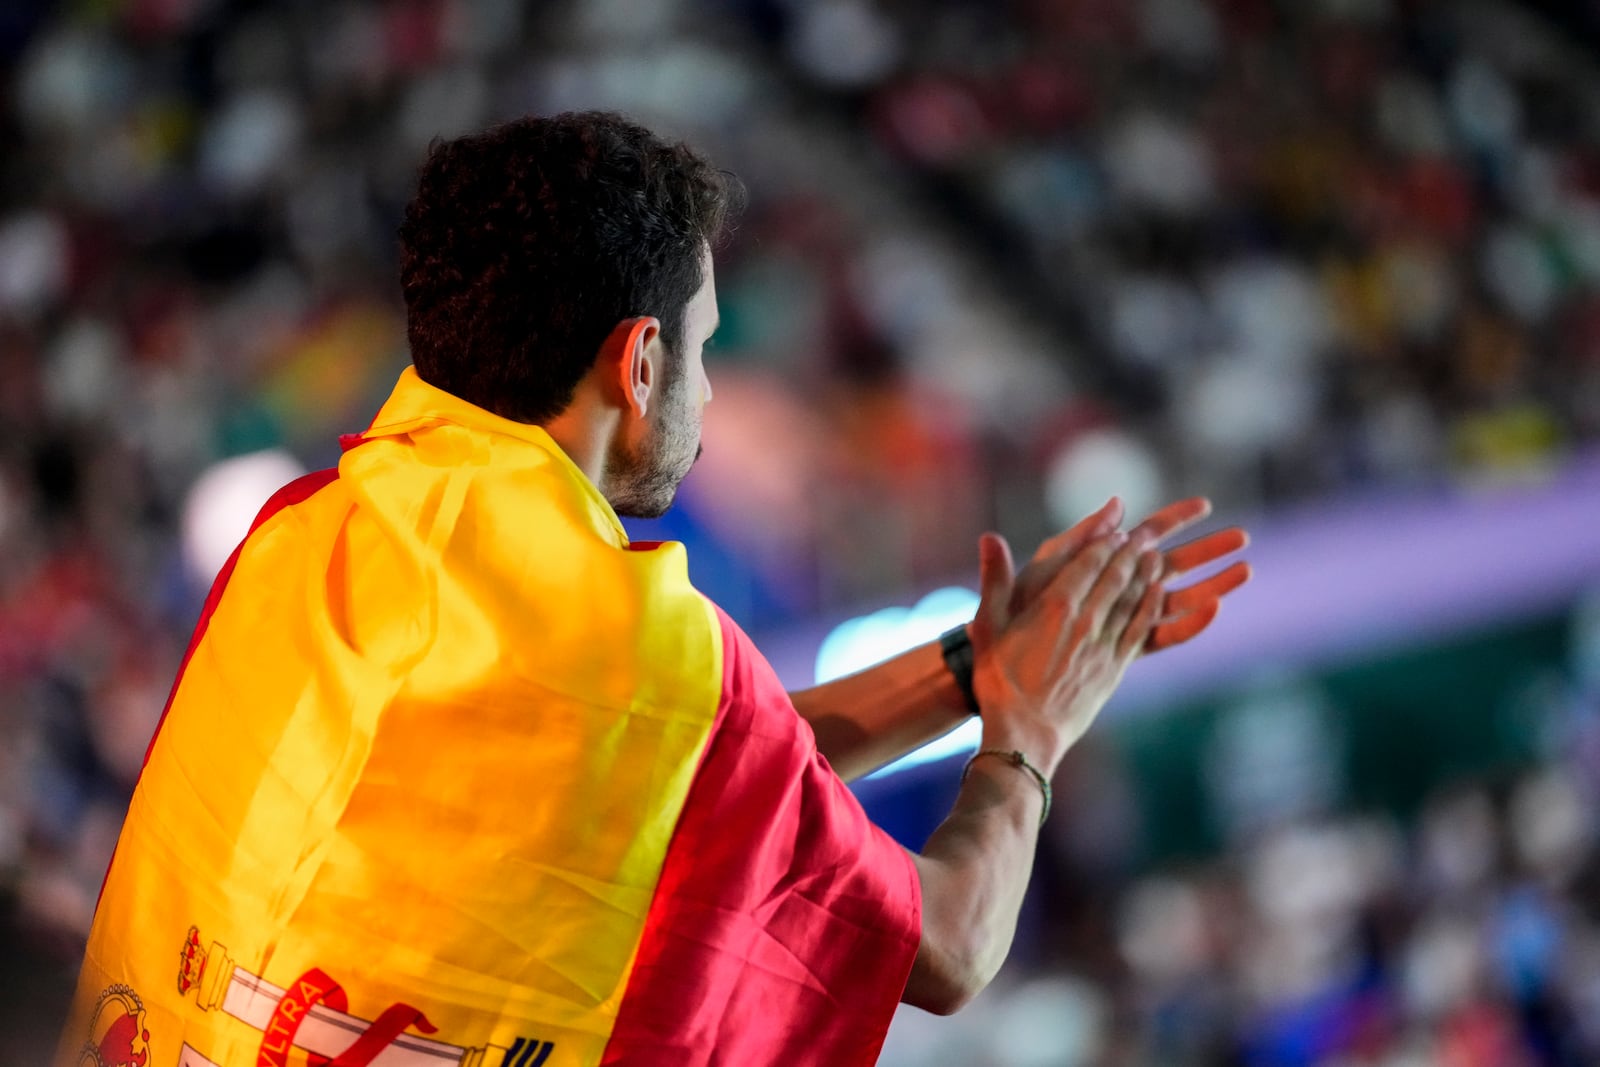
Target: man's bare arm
x=1038, y=696
x=974, y=871
x=872, y=717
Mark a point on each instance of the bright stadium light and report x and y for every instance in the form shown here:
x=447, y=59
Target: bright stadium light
x=224, y=501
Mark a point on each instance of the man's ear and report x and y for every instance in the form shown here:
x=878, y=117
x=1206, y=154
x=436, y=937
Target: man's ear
x=632, y=355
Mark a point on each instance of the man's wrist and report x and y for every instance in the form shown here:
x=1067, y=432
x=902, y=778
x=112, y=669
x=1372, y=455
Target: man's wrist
x=1021, y=727
x=956, y=646
x=1015, y=758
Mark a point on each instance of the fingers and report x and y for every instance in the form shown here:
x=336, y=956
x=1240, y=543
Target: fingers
x=1203, y=550
x=996, y=573
x=1112, y=582
x=1146, y=571
x=1100, y=585
x=1185, y=613
x=1136, y=634
x=1085, y=571
x=1108, y=518
x=1184, y=628
x=1225, y=581
x=1175, y=517
x=1158, y=526
x=1055, y=553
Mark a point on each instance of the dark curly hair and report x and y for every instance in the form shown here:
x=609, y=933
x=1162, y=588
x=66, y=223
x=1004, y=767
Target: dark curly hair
x=527, y=243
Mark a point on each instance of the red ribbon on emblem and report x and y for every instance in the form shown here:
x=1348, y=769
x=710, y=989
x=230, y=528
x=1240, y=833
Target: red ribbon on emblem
x=316, y=987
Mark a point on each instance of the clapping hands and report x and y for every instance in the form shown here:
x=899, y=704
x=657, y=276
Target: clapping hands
x=1050, y=643
x=1185, y=612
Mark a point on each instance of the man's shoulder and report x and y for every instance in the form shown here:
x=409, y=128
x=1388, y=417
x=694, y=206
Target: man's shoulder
x=754, y=697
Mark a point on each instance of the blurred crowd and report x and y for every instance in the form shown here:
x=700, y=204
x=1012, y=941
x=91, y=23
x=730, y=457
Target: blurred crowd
x=1275, y=249
x=1466, y=934
x=1308, y=245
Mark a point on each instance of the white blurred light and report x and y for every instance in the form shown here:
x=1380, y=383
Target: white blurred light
x=1275, y=757
x=224, y=501
x=860, y=642
x=1580, y=233
x=906, y=285
x=1307, y=874
x=626, y=20
x=1271, y=310
x=1097, y=465
x=1443, y=962
x=1238, y=406
x=250, y=139
x=1054, y=1021
x=1516, y=270
x=71, y=80
x=1550, y=830
x=85, y=370
x=681, y=83
x=1484, y=106
x=845, y=42
x=1004, y=385
x=1156, y=321
x=1161, y=929
x=33, y=262
x=1162, y=164
x=1457, y=842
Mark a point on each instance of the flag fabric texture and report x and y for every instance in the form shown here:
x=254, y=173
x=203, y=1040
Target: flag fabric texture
x=452, y=773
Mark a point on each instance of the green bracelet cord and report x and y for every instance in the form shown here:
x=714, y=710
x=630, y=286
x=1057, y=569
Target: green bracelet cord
x=1016, y=759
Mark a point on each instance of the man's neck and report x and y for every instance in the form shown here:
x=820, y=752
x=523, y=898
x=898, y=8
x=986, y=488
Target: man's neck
x=584, y=431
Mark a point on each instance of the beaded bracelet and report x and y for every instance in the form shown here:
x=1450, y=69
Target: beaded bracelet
x=1016, y=759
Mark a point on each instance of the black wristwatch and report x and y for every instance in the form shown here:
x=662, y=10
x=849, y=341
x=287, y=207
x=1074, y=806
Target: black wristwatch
x=957, y=647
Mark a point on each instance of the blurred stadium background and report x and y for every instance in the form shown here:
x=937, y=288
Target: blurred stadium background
x=1334, y=263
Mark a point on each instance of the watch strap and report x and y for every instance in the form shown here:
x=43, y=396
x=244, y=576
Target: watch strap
x=957, y=648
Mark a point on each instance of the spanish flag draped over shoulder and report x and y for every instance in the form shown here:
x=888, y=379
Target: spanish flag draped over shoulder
x=452, y=774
